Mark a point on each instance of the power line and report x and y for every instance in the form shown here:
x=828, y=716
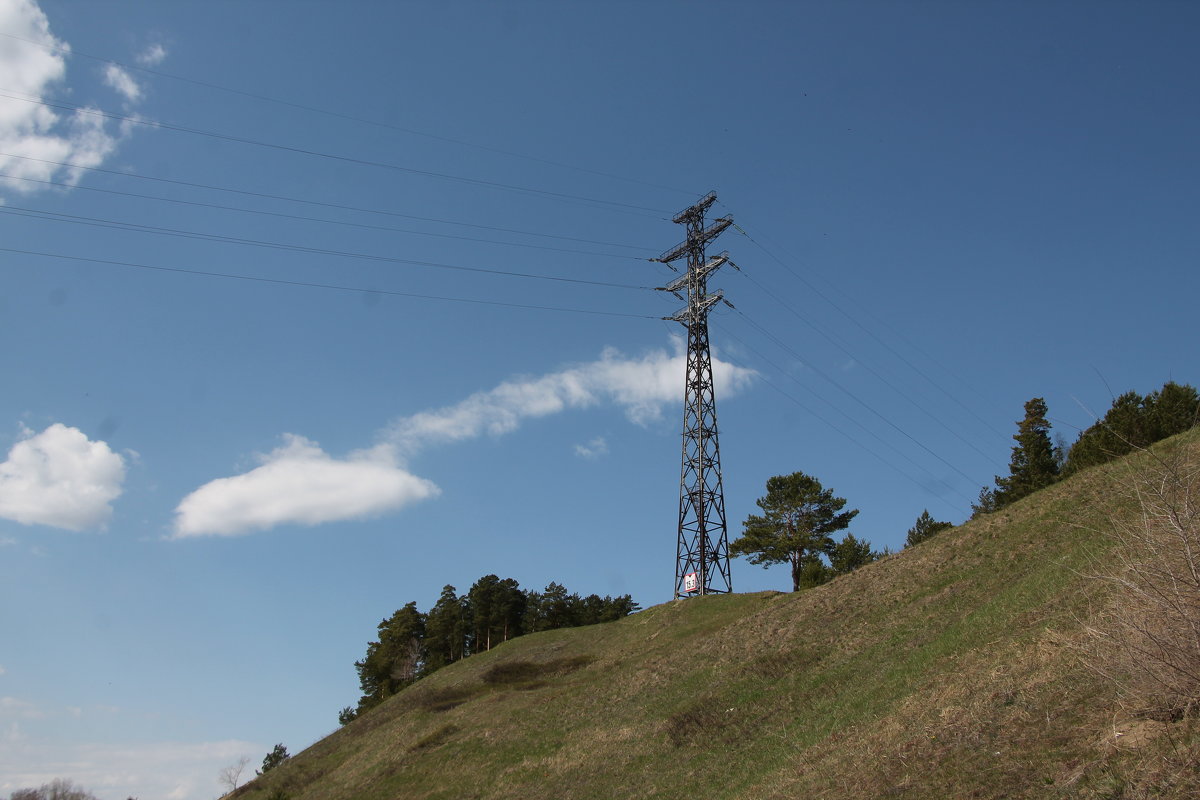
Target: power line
x=850, y=437
x=883, y=343
x=302, y=218
x=867, y=367
x=857, y=399
x=318, y=203
x=340, y=115
x=96, y=112
x=326, y=286
x=140, y=228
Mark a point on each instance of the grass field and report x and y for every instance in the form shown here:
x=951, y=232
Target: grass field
x=953, y=669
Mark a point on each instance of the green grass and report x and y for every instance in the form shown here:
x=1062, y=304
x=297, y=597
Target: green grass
x=946, y=670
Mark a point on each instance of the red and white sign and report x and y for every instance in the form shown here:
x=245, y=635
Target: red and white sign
x=691, y=582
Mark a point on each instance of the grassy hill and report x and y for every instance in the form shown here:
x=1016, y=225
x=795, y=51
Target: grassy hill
x=953, y=669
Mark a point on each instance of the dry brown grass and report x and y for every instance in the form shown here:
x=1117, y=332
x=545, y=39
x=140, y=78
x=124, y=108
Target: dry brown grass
x=1147, y=637
x=950, y=670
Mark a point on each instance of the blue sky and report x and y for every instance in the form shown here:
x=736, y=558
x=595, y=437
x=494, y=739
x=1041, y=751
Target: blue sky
x=221, y=473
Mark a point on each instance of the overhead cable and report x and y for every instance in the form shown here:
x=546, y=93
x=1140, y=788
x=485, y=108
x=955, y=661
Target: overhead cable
x=856, y=398
x=871, y=333
x=327, y=286
x=302, y=218
x=138, y=227
x=97, y=112
x=348, y=117
x=318, y=203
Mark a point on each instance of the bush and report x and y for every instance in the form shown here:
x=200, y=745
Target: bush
x=1148, y=637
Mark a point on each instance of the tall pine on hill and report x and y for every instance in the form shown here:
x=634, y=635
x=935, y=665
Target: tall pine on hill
x=1033, y=465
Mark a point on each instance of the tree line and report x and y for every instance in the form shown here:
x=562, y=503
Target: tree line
x=414, y=643
x=1133, y=422
x=799, y=516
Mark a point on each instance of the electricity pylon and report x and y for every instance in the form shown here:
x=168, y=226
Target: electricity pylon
x=702, y=551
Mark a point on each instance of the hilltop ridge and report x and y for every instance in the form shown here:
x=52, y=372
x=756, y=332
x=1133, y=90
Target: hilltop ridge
x=952, y=669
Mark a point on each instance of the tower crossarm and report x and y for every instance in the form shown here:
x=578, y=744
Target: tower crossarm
x=681, y=283
x=697, y=211
x=695, y=242
x=698, y=309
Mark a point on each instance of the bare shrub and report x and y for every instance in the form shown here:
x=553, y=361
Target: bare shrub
x=1148, y=637
x=230, y=776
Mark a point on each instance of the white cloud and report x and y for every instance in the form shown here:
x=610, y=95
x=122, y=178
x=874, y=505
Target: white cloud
x=179, y=770
x=119, y=79
x=152, y=56
x=593, y=449
x=60, y=478
x=299, y=483
x=7, y=541
x=35, y=134
x=2, y=669
x=13, y=707
x=641, y=386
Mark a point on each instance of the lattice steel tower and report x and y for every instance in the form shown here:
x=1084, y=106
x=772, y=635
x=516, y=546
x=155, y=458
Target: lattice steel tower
x=702, y=552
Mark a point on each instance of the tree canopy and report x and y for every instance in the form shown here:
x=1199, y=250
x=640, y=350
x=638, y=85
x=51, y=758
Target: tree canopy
x=413, y=644
x=1134, y=422
x=924, y=528
x=796, y=526
x=273, y=759
x=1033, y=465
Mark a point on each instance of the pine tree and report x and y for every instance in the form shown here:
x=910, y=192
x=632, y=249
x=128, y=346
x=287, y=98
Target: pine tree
x=799, y=516
x=1033, y=465
x=1172, y=409
x=496, y=609
x=1134, y=422
x=396, y=660
x=851, y=553
x=446, y=630
x=273, y=759
x=926, y=527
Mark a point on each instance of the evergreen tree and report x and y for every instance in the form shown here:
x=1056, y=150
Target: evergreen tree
x=396, y=660
x=273, y=759
x=851, y=553
x=496, y=611
x=986, y=503
x=446, y=630
x=1134, y=422
x=594, y=609
x=1122, y=429
x=796, y=526
x=813, y=573
x=1033, y=465
x=1172, y=409
x=925, y=527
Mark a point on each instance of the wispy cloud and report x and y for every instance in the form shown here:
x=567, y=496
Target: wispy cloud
x=177, y=770
x=641, y=386
x=300, y=483
x=13, y=707
x=34, y=65
x=152, y=56
x=593, y=449
x=60, y=478
x=119, y=78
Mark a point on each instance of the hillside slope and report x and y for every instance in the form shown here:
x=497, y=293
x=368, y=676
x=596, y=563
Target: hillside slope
x=947, y=670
